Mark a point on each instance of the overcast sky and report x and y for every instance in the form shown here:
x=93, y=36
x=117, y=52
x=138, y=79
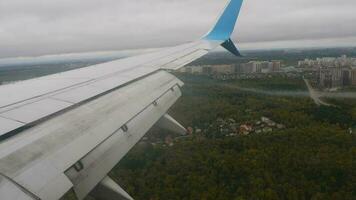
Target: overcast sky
x=39, y=27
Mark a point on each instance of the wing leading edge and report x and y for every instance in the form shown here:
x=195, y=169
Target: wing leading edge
x=69, y=130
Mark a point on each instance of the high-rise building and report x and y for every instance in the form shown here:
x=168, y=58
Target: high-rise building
x=346, y=77
x=276, y=65
x=238, y=69
x=207, y=70
x=266, y=67
x=336, y=73
x=353, y=76
x=223, y=69
x=197, y=70
x=248, y=68
x=325, y=78
x=331, y=77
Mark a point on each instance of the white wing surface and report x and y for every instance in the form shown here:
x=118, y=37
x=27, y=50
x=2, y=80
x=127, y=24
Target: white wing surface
x=68, y=130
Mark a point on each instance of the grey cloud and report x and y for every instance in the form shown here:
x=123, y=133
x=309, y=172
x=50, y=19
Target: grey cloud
x=37, y=27
x=298, y=20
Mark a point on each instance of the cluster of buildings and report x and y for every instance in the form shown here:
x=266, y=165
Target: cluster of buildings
x=229, y=127
x=342, y=61
x=251, y=67
x=208, y=69
x=221, y=127
x=336, y=77
x=332, y=72
x=259, y=67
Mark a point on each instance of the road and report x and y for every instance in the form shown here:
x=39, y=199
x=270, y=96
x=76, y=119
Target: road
x=315, y=95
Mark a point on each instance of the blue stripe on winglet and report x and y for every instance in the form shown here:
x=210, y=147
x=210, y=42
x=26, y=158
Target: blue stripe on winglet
x=226, y=23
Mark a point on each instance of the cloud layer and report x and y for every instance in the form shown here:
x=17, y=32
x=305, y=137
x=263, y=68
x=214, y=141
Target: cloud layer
x=38, y=27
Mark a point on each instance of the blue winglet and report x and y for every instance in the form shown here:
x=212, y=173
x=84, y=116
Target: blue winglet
x=226, y=23
x=225, y=26
x=229, y=45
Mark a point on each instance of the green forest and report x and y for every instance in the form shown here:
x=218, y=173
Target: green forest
x=313, y=157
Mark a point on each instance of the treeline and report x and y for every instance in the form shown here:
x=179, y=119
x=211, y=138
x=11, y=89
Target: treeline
x=317, y=162
x=314, y=158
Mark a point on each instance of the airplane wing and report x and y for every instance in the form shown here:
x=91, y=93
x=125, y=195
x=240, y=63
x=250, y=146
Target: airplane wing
x=68, y=130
